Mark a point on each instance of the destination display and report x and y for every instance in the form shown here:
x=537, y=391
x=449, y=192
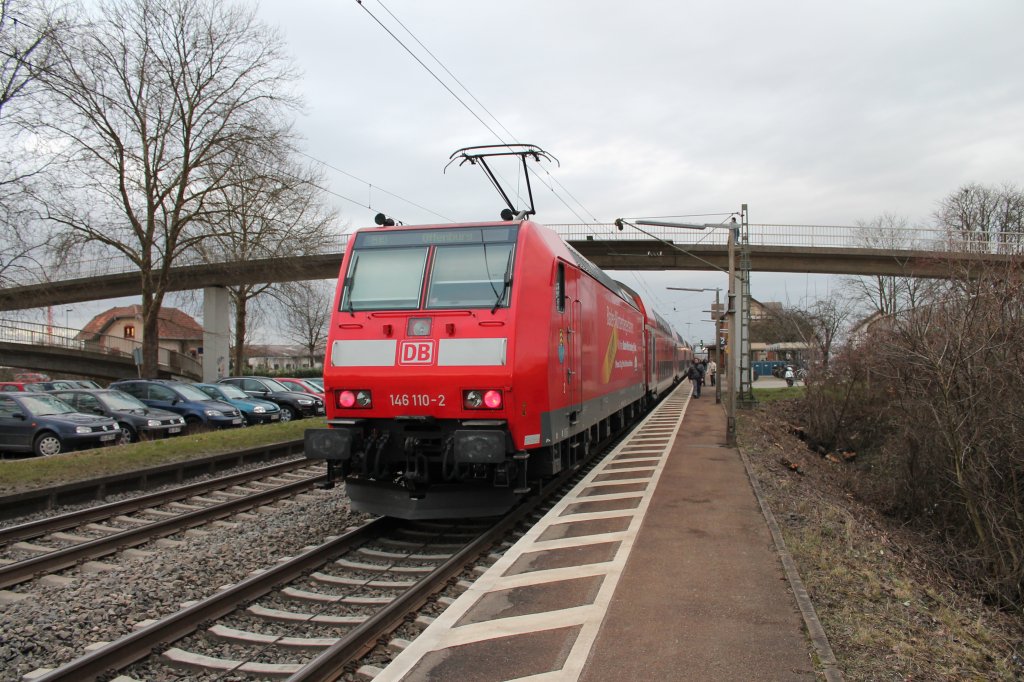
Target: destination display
x=457, y=235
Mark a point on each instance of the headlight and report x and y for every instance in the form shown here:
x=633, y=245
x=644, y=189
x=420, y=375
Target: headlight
x=481, y=399
x=153, y=422
x=303, y=401
x=259, y=409
x=354, y=398
x=213, y=413
x=83, y=429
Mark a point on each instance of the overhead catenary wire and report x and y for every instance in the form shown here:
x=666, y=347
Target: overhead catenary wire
x=372, y=186
x=460, y=100
x=493, y=117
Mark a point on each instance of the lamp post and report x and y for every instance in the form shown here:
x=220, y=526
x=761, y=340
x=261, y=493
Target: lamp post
x=718, y=334
x=738, y=294
x=67, y=325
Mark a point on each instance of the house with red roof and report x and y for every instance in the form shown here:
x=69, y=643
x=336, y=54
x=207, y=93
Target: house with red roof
x=121, y=329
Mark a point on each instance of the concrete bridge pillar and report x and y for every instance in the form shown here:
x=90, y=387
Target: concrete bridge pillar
x=216, y=333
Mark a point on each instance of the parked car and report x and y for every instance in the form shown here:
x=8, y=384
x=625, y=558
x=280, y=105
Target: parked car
x=86, y=383
x=293, y=405
x=55, y=385
x=317, y=382
x=301, y=386
x=136, y=419
x=196, y=407
x=16, y=386
x=46, y=425
x=255, y=411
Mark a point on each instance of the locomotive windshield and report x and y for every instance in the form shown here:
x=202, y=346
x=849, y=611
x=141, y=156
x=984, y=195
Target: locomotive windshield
x=468, y=268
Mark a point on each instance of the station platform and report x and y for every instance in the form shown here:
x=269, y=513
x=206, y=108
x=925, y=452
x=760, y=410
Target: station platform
x=660, y=565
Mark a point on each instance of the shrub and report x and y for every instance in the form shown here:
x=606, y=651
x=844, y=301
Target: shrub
x=936, y=403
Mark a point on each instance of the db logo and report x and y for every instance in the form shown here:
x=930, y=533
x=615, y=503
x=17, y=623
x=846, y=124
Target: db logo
x=416, y=353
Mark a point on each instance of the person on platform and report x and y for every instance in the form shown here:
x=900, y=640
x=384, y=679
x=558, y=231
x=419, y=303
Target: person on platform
x=696, y=376
x=712, y=371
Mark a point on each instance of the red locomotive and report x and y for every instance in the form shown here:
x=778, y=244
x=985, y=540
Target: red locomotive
x=464, y=361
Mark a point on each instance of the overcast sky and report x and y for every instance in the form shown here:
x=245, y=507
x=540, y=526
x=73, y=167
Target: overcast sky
x=810, y=112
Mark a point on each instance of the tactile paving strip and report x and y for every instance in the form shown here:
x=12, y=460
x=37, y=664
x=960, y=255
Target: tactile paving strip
x=537, y=611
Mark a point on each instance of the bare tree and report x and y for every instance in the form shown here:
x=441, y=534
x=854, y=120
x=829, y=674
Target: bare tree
x=272, y=206
x=979, y=217
x=153, y=100
x=781, y=325
x=886, y=294
x=29, y=32
x=306, y=313
x=827, y=319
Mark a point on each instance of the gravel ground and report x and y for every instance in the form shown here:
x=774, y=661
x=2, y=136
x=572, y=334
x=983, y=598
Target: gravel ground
x=57, y=624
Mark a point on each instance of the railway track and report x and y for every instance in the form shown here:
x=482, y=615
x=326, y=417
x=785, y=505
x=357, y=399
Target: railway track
x=314, y=615
x=40, y=548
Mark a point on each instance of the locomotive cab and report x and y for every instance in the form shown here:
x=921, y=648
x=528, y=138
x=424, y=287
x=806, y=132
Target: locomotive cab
x=419, y=372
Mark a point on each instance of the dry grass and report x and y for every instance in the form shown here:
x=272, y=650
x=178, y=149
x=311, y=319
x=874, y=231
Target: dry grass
x=890, y=612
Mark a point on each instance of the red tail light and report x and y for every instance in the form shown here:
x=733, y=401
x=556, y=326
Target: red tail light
x=482, y=399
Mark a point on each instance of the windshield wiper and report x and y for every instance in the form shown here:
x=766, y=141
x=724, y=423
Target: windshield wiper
x=349, y=276
x=507, y=284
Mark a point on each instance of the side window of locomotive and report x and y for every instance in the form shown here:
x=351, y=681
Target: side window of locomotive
x=560, y=288
x=470, y=276
x=384, y=279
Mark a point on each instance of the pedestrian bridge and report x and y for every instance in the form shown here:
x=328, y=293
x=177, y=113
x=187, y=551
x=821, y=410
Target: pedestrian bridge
x=820, y=249
x=766, y=248
x=49, y=348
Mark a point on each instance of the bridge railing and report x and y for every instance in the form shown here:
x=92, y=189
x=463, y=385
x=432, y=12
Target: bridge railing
x=36, y=334
x=809, y=236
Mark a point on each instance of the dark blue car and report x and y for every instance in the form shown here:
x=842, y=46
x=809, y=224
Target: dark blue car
x=45, y=425
x=196, y=407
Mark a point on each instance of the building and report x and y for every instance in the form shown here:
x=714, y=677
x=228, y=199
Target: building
x=121, y=329
x=276, y=358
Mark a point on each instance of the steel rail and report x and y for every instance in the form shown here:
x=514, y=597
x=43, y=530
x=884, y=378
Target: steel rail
x=33, y=529
x=17, y=504
x=156, y=637
x=332, y=661
x=330, y=664
x=69, y=556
